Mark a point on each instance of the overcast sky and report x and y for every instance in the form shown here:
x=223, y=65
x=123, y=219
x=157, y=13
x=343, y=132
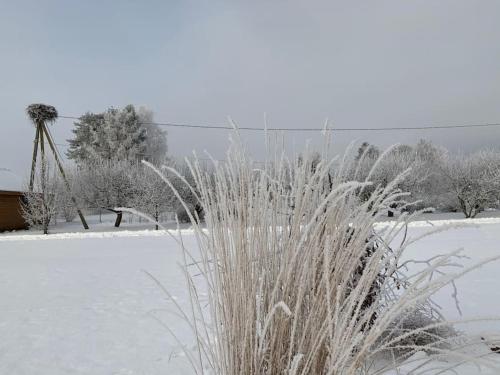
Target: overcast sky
x=357, y=63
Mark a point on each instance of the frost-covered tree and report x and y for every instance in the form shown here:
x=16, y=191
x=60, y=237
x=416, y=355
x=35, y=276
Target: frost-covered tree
x=474, y=180
x=115, y=183
x=106, y=183
x=392, y=163
x=364, y=160
x=432, y=185
x=156, y=138
x=366, y=150
x=118, y=134
x=435, y=178
x=424, y=162
x=388, y=167
x=398, y=160
x=150, y=194
x=88, y=137
x=124, y=136
x=64, y=197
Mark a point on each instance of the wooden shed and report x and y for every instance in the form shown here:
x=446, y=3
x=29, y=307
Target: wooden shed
x=11, y=217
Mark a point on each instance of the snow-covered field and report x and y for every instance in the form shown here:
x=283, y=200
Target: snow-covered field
x=82, y=303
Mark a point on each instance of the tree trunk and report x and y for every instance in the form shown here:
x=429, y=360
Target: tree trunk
x=156, y=217
x=119, y=215
x=463, y=206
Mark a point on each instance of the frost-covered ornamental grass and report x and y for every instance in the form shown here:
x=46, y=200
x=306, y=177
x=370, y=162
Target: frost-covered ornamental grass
x=298, y=281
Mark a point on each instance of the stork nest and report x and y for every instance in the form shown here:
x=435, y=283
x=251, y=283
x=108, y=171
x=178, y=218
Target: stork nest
x=41, y=112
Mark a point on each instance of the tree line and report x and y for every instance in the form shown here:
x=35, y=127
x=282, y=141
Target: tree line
x=107, y=149
x=434, y=177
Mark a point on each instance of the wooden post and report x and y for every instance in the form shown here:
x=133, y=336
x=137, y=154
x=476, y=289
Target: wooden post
x=58, y=162
x=43, y=181
x=33, y=162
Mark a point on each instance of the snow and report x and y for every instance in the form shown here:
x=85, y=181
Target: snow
x=105, y=228
x=99, y=226
x=89, y=235
x=82, y=306
x=82, y=302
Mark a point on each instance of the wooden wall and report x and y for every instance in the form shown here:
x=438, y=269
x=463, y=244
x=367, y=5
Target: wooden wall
x=10, y=211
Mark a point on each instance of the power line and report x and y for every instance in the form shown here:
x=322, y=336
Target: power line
x=52, y=138
x=392, y=128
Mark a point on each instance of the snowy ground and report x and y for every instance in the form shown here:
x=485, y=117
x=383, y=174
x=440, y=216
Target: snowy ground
x=97, y=223
x=106, y=221
x=81, y=303
x=83, y=306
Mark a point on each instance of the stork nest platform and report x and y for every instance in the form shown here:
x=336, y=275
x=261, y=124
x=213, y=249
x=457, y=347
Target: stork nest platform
x=41, y=113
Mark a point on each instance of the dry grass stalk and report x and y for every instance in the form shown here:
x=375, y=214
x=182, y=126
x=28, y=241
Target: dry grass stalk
x=291, y=288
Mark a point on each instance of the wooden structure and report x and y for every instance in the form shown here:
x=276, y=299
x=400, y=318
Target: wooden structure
x=11, y=217
x=40, y=114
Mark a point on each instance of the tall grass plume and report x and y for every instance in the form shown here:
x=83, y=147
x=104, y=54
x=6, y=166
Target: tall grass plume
x=298, y=280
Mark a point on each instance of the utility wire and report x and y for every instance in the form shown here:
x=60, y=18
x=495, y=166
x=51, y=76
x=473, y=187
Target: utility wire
x=222, y=127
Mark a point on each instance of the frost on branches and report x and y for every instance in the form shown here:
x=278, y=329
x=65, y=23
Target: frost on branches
x=475, y=180
x=120, y=134
x=435, y=177
x=126, y=183
x=40, y=205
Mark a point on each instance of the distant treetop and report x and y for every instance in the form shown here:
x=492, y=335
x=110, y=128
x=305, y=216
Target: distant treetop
x=123, y=134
